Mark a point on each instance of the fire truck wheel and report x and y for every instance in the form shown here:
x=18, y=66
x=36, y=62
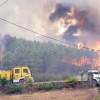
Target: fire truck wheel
x=21, y=81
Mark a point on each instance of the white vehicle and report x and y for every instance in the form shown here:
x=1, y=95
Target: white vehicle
x=96, y=77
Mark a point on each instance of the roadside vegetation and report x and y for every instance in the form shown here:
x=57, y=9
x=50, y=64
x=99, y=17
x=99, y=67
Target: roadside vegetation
x=14, y=89
x=31, y=87
x=98, y=93
x=49, y=86
x=3, y=81
x=72, y=81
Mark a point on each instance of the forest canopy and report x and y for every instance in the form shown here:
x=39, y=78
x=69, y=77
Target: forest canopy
x=44, y=57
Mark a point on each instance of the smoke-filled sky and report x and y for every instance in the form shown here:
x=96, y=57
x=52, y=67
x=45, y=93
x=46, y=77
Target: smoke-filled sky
x=67, y=20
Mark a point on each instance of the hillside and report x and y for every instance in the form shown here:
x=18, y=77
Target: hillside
x=45, y=58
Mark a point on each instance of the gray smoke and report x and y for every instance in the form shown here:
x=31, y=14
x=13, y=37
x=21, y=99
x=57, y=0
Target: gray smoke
x=87, y=21
x=43, y=16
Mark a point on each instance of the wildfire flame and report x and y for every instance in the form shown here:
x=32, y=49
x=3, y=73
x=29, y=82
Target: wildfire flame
x=82, y=61
x=76, y=24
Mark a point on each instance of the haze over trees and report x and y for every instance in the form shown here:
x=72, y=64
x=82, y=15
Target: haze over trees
x=43, y=58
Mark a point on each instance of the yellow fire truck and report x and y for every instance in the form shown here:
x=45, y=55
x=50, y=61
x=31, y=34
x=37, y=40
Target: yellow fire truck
x=17, y=74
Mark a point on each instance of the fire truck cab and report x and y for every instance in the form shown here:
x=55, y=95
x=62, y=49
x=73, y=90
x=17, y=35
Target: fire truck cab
x=17, y=74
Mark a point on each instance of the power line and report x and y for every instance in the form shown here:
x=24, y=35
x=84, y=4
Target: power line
x=44, y=35
x=36, y=32
x=3, y=3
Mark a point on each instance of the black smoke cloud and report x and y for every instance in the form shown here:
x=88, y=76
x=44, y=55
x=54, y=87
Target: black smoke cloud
x=87, y=21
x=60, y=12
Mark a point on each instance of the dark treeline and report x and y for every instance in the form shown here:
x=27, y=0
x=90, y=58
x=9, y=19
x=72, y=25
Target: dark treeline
x=43, y=58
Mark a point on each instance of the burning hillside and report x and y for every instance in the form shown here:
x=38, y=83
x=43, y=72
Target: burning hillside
x=80, y=26
x=84, y=60
x=74, y=22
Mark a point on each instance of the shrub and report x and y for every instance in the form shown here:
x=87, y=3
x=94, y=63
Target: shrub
x=3, y=81
x=99, y=93
x=30, y=82
x=71, y=81
x=14, y=89
x=98, y=90
x=56, y=85
x=98, y=98
x=49, y=86
x=41, y=86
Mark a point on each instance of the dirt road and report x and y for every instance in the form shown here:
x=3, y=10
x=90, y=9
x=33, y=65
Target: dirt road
x=76, y=94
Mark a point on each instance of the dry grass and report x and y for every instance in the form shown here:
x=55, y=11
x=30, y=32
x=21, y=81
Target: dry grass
x=64, y=94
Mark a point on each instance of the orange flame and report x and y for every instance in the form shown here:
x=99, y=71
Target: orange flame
x=82, y=61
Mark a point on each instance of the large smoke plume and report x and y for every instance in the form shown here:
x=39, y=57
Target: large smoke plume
x=74, y=20
x=78, y=23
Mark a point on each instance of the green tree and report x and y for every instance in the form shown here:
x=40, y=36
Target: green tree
x=8, y=60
